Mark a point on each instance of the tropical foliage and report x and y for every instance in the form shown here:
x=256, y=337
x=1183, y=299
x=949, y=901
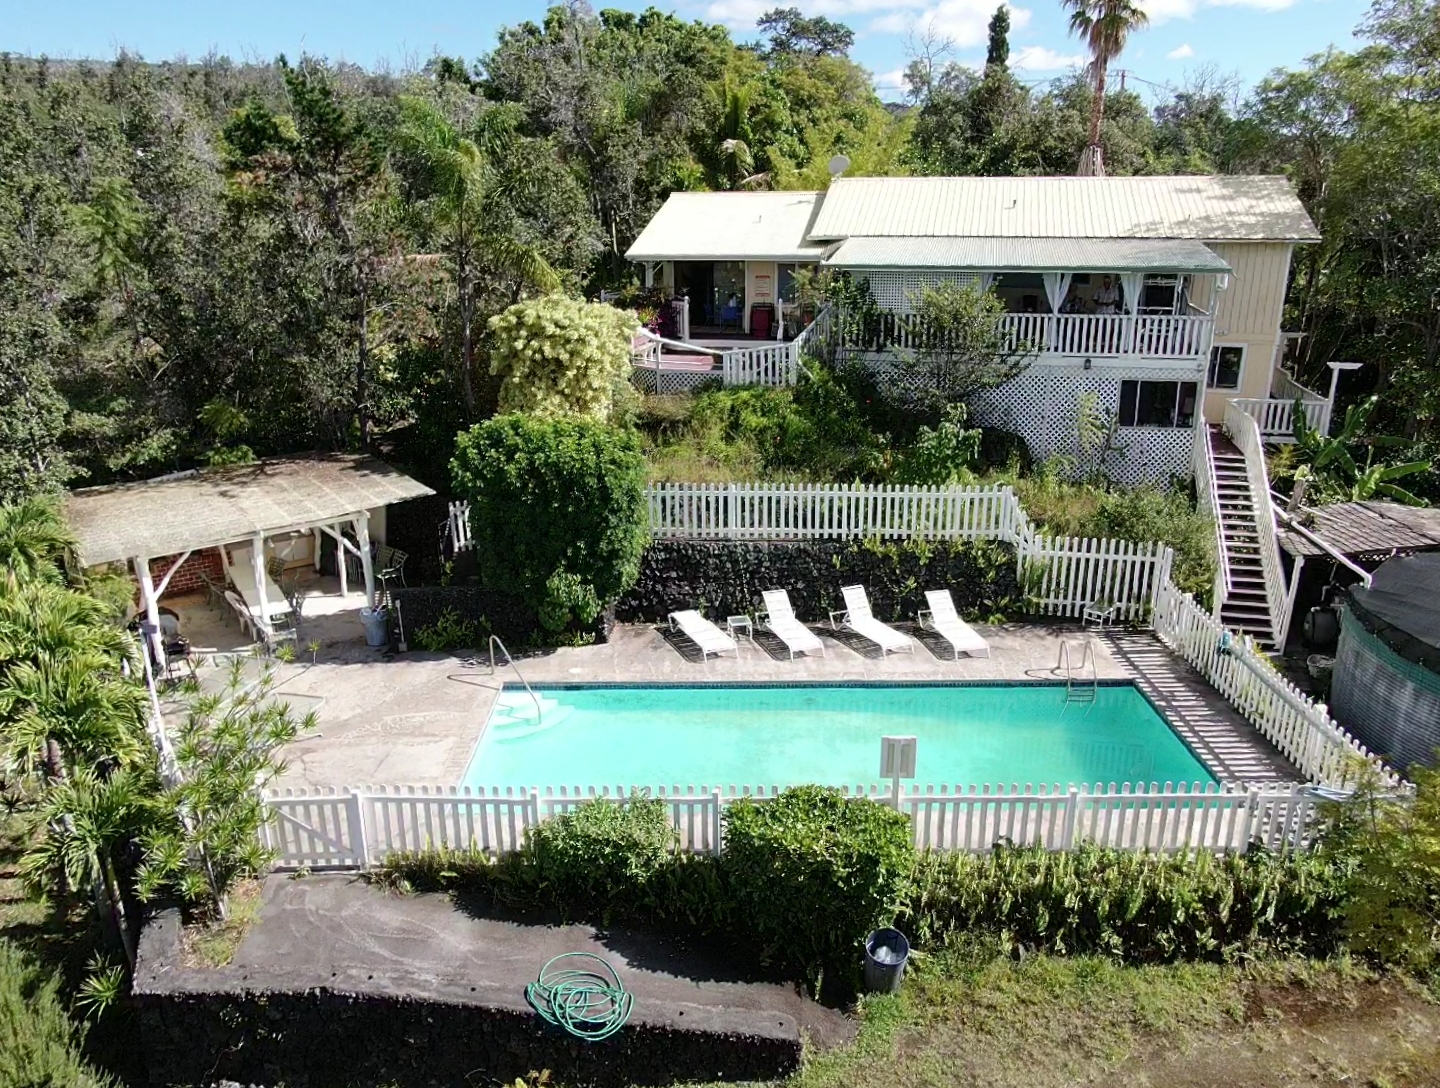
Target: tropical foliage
x=558, y=356
x=557, y=509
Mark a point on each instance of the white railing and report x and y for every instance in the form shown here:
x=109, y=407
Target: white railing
x=1207, y=490
x=1300, y=728
x=1244, y=431
x=1276, y=418
x=1157, y=336
x=357, y=828
x=765, y=511
x=768, y=364
x=1317, y=406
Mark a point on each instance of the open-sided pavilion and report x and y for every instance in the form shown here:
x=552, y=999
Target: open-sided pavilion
x=235, y=510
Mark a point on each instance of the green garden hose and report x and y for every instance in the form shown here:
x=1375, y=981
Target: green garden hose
x=590, y=1004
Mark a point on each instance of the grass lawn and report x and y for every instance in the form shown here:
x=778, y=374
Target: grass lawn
x=975, y=1020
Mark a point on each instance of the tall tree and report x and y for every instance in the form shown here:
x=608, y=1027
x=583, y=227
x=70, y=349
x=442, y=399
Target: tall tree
x=997, y=50
x=1105, y=26
x=457, y=180
x=791, y=32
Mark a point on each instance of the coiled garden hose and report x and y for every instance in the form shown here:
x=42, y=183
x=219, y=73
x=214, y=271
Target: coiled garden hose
x=588, y=1003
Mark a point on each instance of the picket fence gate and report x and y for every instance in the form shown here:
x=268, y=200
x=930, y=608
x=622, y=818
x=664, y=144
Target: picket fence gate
x=358, y=828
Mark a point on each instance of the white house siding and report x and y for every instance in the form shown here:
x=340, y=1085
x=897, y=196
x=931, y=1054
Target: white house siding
x=1248, y=313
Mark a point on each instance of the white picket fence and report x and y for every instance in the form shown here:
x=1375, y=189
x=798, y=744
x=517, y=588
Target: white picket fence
x=355, y=829
x=1299, y=727
x=766, y=511
x=1061, y=575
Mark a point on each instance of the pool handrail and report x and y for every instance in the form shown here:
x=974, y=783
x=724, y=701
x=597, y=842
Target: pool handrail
x=510, y=660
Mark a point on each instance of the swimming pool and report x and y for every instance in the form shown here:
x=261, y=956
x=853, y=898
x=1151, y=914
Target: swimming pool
x=782, y=735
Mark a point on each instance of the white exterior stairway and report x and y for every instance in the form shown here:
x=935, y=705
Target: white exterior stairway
x=1246, y=604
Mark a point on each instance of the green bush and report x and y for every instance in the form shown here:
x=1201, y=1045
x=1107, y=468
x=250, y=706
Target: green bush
x=39, y=1044
x=811, y=873
x=1137, y=907
x=945, y=454
x=560, y=356
x=599, y=859
x=448, y=632
x=557, y=509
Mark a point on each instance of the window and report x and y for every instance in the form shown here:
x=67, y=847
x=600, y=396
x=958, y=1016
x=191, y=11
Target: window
x=1159, y=295
x=1157, y=404
x=785, y=275
x=1226, y=362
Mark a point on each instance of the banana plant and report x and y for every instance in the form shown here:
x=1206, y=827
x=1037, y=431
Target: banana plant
x=1330, y=465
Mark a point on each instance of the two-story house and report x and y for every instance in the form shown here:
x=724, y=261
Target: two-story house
x=1161, y=296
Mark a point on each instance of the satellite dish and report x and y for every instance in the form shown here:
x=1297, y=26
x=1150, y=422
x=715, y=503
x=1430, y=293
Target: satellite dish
x=839, y=164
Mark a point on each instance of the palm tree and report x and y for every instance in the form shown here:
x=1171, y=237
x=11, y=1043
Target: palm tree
x=1104, y=25
x=63, y=698
x=33, y=539
x=459, y=181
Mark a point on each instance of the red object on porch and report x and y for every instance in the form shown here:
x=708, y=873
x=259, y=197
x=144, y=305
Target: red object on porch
x=762, y=319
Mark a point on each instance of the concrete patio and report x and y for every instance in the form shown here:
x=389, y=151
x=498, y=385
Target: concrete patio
x=415, y=719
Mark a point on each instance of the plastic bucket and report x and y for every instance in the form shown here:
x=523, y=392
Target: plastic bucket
x=886, y=951
x=376, y=632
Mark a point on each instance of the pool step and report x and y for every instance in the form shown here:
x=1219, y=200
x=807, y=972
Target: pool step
x=516, y=716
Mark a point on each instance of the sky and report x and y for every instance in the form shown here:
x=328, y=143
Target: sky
x=1232, y=38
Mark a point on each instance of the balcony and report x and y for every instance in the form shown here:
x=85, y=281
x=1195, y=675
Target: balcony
x=1169, y=337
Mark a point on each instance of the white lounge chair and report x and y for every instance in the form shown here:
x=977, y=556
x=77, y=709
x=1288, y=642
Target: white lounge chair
x=857, y=616
x=704, y=634
x=780, y=619
x=946, y=623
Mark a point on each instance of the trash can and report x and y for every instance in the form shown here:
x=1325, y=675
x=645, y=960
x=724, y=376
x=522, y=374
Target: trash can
x=376, y=632
x=886, y=951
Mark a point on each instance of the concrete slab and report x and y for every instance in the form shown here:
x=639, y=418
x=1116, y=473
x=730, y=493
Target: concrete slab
x=312, y=930
x=415, y=719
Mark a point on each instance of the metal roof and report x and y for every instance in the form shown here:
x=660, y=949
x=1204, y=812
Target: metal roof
x=216, y=506
x=1044, y=254
x=1366, y=528
x=730, y=227
x=1202, y=207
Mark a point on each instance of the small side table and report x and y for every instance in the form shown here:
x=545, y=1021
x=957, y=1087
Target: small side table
x=734, y=625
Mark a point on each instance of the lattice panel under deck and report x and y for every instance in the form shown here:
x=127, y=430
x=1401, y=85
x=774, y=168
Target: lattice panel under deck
x=893, y=290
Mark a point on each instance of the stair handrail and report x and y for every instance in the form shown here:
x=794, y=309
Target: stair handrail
x=1209, y=490
x=1244, y=431
x=510, y=660
x=1293, y=524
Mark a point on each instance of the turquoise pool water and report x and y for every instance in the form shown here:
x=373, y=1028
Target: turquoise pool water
x=752, y=735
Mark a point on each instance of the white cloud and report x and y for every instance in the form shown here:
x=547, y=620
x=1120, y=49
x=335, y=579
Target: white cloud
x=1038, y=58
x=963, y=20
x=1162, y=11
x=1180, y=52
x=890, y=81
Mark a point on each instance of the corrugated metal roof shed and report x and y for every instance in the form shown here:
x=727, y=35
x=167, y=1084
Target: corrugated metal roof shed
x=1202, y=207
x=1367, y=528
x=730, y=227
x=222, y=505
x=1045, y=254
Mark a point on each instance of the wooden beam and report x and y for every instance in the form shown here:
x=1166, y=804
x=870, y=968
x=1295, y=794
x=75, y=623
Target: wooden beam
x=164, y=582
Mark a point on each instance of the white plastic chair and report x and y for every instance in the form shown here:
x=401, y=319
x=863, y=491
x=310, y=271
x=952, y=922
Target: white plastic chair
x=780, y=619
x=945, y=621
x=857, y=616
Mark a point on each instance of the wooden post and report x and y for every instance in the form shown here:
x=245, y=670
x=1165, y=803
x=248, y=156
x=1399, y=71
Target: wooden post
x=149, y=600
x=257, y=561
x=355, y=822
x=319, y=536
x=716, y=827
x=367, y=564
x=340, y=560
x=1072, y=812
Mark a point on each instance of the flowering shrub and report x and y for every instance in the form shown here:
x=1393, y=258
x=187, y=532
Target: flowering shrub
x=560, y=356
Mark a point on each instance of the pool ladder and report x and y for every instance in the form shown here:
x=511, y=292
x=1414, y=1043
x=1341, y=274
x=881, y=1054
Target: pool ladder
x=509, y=660
x=1078, y=687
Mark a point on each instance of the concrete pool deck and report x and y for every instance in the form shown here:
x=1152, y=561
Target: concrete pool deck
x=415, y=719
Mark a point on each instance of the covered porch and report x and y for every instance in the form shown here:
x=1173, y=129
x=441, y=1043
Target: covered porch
x=250, y=541
x=1096, y=299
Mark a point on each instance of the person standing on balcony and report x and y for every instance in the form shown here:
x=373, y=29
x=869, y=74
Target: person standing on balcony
x=1107, y=297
